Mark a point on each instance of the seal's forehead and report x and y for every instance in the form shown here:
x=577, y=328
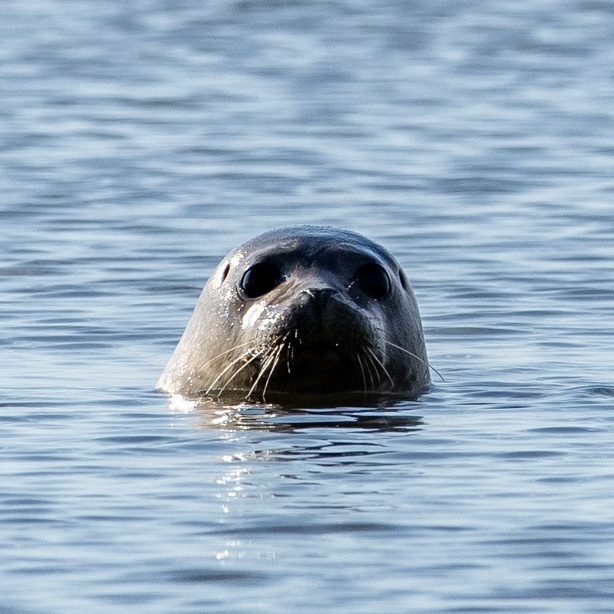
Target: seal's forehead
x=309, y=242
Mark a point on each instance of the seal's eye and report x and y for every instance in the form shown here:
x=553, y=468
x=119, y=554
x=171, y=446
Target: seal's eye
x=373, y=280
x=260, y=279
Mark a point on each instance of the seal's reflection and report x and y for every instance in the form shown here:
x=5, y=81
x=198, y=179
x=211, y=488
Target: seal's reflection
x=385, y=417
x=282, y=471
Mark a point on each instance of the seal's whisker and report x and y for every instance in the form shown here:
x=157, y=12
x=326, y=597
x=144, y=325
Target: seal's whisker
x=288, y=346
x=381, y=364
x=376, y=370
x=289, y=356
x=228, y=367
x=228, y=351
x=424, y=362
x=269, y=356
x=370, y=366
x=291, y=347
x=273, y=367
x=362, y=372
x=237, y=372
x=260, y=354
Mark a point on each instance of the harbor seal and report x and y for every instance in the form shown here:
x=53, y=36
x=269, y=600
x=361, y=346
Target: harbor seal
x=303, y=310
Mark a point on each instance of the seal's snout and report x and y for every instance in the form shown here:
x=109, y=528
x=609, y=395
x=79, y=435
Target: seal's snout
x=317, y=305
x=322, y=316
x=319, y=297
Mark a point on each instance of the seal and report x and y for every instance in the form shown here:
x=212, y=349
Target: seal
x=303, y=310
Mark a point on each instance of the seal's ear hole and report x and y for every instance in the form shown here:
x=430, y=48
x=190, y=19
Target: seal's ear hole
x=260, y=279
x=373, y=280
x=403, y=279
x=224, y=274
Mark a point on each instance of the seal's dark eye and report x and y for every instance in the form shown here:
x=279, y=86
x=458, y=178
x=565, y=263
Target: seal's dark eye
x=373, y=280
x=260, y=279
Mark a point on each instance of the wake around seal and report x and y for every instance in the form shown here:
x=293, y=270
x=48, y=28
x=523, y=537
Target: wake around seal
x=303, y=310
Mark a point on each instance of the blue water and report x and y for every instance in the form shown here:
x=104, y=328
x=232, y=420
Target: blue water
x=140, y=142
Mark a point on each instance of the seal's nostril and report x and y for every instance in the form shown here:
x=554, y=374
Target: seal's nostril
x=319, y=295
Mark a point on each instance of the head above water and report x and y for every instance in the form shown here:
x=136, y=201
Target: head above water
x=303, y=310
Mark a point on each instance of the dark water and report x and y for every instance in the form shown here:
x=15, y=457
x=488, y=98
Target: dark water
x=140, y=141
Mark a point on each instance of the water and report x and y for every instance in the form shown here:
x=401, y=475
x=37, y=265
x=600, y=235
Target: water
x=142, y=141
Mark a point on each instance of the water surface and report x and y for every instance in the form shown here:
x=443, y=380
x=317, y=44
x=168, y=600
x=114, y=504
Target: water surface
x=142, y=141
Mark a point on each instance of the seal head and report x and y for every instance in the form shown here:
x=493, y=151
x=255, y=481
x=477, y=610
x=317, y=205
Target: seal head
x=304, y=310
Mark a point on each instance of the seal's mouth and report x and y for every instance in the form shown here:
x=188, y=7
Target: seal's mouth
x=317, y=357
x=316, y=366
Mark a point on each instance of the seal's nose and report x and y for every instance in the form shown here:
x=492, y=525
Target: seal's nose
x=319, y=296
x=315, y=304
x=316, y=312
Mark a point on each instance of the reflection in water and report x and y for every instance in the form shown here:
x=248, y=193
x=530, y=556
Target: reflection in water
x=212, y=413
x=274, y=479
